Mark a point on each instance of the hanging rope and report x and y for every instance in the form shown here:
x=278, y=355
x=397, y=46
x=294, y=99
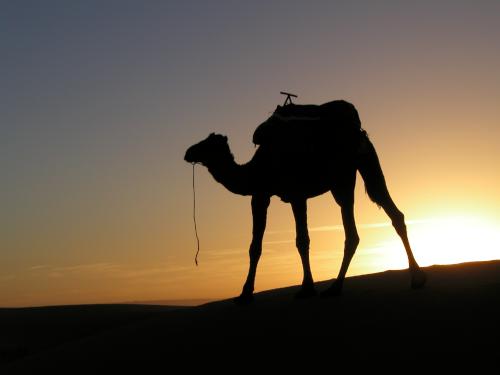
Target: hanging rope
x=194, y=220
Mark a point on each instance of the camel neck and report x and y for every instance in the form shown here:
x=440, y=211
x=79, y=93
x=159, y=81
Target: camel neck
x=236, y=178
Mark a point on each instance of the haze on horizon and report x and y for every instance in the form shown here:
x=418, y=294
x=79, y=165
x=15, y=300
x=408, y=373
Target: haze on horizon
x=101, y=99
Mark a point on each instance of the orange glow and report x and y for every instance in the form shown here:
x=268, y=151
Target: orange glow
x=447, y=240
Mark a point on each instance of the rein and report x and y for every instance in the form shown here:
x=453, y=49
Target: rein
x=194, y=220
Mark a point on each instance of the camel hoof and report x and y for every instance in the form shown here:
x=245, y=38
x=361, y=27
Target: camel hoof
x=334, y=291
x=243, y=299
x=306, y=292
x=418, y=279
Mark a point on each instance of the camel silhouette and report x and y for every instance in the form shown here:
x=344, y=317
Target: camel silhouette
x=305, y=151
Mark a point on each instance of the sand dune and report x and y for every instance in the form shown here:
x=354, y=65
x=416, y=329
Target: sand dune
x=457, y=312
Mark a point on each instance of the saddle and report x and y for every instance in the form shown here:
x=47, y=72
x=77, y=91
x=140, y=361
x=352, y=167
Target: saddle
x=296, y=124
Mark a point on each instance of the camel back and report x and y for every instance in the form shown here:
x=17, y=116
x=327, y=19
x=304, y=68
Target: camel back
x=294, y=124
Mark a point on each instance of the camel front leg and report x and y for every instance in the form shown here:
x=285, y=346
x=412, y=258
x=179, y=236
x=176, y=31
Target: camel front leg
x=299, y=208
x=259, y=215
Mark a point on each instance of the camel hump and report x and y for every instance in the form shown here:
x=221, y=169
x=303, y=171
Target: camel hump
x=295, y=122
x=342, y=112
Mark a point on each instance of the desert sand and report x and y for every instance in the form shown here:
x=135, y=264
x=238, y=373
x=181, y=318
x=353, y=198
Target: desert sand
x=378, y=315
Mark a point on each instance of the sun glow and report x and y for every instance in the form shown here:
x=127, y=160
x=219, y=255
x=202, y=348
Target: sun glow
x=448, y=240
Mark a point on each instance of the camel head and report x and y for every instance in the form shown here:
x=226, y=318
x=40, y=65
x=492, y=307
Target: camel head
x=212, y=149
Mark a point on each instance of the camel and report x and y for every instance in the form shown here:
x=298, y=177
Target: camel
x=305, y=151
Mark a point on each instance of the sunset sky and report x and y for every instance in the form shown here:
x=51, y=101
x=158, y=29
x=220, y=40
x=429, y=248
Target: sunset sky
x=100, y=100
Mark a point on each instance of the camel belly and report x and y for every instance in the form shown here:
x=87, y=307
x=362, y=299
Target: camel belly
x=295, y=181
x=302, y=171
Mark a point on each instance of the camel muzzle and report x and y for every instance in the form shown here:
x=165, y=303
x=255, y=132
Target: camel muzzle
x=189, y=157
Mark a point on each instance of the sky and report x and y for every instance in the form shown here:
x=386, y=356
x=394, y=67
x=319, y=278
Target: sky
x=100, y=100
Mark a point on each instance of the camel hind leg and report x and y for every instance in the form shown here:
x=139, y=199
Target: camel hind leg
x=350, y=246
x=344, y=196
x=418, y=277
x=371, y=171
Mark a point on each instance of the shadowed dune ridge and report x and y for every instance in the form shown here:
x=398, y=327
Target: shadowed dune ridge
x=456, y=312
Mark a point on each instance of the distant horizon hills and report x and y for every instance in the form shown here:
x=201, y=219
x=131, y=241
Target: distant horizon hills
x=182, y=302
x=194, y=302
x=175, y=302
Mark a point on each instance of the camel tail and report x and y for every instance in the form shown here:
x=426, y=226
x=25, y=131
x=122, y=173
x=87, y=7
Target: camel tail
x=371, y=171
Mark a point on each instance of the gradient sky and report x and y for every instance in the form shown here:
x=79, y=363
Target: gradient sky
x=100, y=99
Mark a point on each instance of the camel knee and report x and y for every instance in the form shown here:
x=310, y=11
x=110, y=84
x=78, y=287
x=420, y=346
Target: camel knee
x=302, y=243
x=398, y=222
x=351, y=244
x=255, y=251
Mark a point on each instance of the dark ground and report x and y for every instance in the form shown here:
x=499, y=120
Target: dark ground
x=457, y=315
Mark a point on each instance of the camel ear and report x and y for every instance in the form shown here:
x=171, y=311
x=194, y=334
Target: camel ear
x=225, y=138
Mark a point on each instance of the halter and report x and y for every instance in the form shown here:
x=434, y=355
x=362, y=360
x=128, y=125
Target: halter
x=194, y=220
